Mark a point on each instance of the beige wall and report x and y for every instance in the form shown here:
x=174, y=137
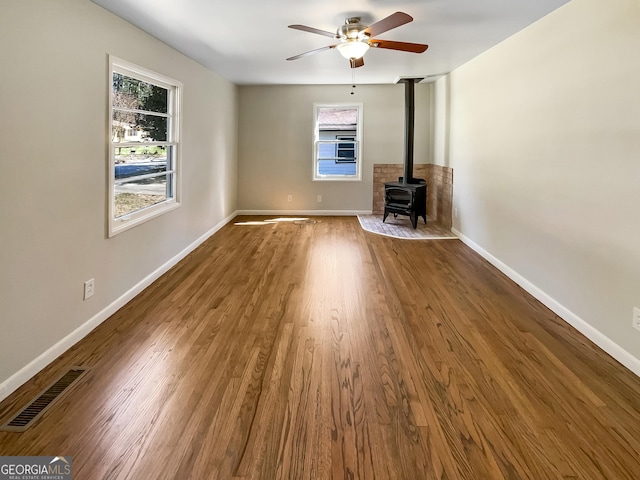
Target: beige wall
x=276, y=144
x=545, y=147
x=53, y=138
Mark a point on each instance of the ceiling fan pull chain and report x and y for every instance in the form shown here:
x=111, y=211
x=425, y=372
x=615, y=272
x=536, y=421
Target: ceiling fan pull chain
x=353, y=81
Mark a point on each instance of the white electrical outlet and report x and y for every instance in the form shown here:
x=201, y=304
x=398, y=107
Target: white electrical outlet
x=289, y=198
x=319, y=198
x=89, y=288
x=636, y=318
x=455, y=212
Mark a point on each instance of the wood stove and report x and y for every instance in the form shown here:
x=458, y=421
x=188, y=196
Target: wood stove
x=407, y=196
x=406, y=199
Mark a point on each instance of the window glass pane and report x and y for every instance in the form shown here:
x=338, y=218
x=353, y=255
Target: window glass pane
x=328, y=163
x=331, y=167
x=337, y=118
x=138, y=127
x=142, y=160
x=326, y=151
x=138, y=95
x=140, y=193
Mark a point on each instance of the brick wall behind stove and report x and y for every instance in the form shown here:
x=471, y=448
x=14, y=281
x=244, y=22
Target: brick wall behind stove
x=439, y=188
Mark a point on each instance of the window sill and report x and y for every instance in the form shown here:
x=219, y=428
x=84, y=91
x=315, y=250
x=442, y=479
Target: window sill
x=124, y=223
x=337, y=179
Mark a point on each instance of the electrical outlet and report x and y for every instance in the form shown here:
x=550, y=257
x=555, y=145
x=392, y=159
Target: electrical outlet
x=89, y=288
x=319, y=198
x=636, y=318
x=289, y=198
x=455, y=212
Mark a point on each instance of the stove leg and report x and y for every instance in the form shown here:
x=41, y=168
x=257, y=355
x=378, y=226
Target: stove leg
x=386, y=213
x=414, y=219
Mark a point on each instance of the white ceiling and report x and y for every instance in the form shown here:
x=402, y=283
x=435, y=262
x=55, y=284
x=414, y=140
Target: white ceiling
x=247, y=41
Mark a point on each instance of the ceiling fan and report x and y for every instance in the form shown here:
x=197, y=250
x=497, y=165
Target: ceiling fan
x=355, y=38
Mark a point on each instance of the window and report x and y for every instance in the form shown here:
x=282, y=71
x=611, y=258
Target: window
x=144, y=146
x=346, y=151
x=337, y=142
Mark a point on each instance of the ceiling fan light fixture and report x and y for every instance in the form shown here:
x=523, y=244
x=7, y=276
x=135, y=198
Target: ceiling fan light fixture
x=353, y=49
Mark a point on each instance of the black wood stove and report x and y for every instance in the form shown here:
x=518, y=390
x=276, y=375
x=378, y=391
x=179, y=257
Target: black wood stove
x=407, y=196
x=406, y=199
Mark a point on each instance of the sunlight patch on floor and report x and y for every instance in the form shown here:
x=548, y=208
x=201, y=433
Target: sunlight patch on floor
x=273, y=220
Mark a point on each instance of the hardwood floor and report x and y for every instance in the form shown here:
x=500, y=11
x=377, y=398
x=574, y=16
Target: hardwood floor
x=284, y=351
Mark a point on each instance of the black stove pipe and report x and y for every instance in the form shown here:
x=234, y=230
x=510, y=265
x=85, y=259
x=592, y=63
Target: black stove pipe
x=409, y=120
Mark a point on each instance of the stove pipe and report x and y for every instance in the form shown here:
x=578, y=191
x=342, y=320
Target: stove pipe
x=409, y=118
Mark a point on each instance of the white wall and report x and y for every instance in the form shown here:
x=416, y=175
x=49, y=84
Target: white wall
x=276, y=144
x=440, y=122
x=53, y=144
x=545, y=147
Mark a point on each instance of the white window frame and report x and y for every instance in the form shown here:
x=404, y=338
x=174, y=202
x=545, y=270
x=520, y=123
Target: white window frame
x=174, y=87
x=317, y=142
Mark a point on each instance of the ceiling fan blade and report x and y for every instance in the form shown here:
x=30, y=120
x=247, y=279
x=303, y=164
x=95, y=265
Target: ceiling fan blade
x=310, y=52
x=304, y=28
x=403, y=46
x=392, y=21
x=356, y=62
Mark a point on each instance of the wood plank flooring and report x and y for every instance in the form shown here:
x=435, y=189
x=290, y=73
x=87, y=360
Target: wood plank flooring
x=285, y=351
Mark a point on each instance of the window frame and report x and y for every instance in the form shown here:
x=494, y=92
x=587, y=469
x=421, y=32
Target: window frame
x=357, y=144
x=120, y=224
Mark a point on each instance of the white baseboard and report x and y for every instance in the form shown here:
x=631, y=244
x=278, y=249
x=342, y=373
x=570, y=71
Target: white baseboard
x=27, y=372
x=593, y=334
x=325, y=213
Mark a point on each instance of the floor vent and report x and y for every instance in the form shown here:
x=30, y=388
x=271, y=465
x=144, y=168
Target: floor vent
x=34, y=410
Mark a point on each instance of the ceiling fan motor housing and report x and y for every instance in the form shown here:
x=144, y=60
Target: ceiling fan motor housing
x=353, y=30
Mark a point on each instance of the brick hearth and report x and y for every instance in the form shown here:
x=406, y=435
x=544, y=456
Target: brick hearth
x=439, y=188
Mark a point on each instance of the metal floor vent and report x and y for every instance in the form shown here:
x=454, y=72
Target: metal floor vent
x=34, y=410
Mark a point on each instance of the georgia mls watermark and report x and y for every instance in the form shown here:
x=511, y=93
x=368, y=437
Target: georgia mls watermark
x=35, y=468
